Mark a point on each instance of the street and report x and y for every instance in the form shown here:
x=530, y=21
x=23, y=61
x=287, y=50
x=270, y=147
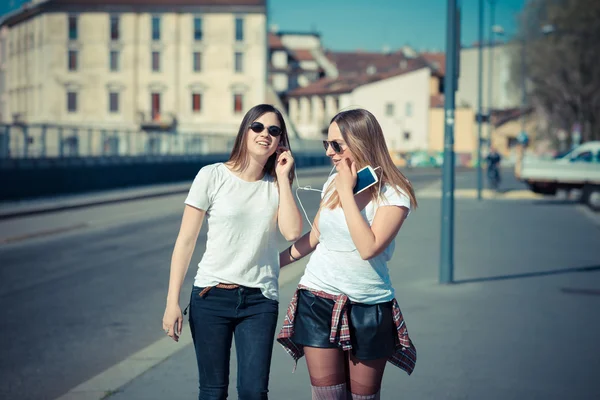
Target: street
x=75, y=303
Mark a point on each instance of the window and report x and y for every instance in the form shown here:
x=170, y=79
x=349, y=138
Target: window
x=113, y=102
x=408, y=109
x=73, y=27
x=114, y=27
x=239, y=61
x=197, y=61
x=114, y=60
x=196, y=102
x=238, y=101
x=389, y=109
x=585, y=156
x=155, y=99
x=155, y=28
x=155, y=61
x=239, y=29
x=72, y=60
x=406, y=135
x=72, y=102
x=197, y=28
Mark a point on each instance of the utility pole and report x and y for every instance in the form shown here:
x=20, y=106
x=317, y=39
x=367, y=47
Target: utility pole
x=450, y=84
x=479, y=98
x=491, y=69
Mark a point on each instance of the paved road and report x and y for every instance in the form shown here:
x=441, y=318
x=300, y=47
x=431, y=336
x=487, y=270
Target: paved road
x=83, y=289
x=521, y=322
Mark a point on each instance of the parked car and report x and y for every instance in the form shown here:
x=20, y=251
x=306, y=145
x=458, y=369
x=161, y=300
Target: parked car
x=577, y=169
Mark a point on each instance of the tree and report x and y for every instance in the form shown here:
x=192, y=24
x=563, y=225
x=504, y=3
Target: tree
x=559, y=53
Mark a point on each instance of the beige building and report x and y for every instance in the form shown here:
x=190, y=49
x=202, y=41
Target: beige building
x=3, y=68
x=296, y=59
x=399, y=99
x=190, y=65
x=504, y=94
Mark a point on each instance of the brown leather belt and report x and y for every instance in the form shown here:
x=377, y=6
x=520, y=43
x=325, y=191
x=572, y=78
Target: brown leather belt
x=220, y=286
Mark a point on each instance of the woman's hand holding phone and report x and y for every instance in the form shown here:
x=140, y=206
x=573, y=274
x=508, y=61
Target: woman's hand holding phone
x=346, y=178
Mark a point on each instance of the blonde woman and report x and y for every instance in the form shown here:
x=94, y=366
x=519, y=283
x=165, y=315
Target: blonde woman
x=344, y=316
x=235, y=292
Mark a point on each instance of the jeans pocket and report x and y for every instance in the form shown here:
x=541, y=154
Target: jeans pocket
x=306, y=297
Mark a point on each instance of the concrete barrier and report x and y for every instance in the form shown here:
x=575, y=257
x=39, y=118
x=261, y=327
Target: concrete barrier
x=30, y=178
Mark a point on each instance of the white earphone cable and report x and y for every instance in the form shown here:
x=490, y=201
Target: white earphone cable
x=307, y=188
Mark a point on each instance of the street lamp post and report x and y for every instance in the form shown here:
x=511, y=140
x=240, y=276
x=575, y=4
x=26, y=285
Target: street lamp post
x=479, y=98
x=450, y=81
x=491, y=69
x=523, y=83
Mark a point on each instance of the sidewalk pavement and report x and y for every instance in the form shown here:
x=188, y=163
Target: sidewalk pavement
x=59, y=203
x=520, y=321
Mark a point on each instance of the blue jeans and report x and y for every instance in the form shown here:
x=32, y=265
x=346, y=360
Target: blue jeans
x=250, y=317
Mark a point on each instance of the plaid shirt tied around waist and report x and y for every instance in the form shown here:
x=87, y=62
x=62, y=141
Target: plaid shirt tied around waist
x=405, y=356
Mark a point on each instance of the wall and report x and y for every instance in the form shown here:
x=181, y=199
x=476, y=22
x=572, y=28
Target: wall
x=503, y=94
x=465, y=131
x=410, y=90
x=29, y=178
x=40, y=77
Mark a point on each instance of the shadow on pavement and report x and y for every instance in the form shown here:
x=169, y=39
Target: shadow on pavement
x=530, y=274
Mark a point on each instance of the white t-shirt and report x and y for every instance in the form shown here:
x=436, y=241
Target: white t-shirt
x=241, y=246
x=336, y=266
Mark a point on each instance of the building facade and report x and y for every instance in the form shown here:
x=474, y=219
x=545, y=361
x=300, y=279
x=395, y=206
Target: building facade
x=181, y=65
x=4, y=117
x=399, y=100
x=504, y=95
x=296, y=59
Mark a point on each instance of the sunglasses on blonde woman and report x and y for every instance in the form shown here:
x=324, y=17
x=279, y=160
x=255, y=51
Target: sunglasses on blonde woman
x=334, y=145
x=273, y=130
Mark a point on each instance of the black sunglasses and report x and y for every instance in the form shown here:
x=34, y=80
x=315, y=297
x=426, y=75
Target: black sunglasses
x=334, y=145
x=273, y=129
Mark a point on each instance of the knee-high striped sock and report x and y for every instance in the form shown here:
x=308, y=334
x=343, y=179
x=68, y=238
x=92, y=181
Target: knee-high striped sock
x=375, y=396
x=337, y=392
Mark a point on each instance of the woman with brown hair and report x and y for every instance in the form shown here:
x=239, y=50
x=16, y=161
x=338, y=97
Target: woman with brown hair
x=344, y=316
x=235, y=292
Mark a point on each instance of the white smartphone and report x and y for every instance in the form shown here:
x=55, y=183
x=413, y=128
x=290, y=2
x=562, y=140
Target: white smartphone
x=365, y=178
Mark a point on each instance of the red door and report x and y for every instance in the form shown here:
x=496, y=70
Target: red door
x=155, y=106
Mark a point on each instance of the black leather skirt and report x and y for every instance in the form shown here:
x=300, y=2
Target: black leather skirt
x=372, y=329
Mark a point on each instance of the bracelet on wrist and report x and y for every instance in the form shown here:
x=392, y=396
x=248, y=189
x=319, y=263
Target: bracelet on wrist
x=290, y=253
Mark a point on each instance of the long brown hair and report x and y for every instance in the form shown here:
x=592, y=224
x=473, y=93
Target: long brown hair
x=239, y=155
x=364, y=137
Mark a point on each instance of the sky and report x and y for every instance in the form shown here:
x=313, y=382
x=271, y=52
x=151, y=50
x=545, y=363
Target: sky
x=371, y=25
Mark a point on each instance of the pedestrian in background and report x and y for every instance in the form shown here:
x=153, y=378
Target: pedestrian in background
x=344, y=316
x=235, y=292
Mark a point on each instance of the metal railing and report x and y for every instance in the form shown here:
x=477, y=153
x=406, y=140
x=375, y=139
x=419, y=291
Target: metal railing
x=60, y=141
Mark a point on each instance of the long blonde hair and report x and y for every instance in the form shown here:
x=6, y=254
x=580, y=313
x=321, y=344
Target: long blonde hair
x=364, y=137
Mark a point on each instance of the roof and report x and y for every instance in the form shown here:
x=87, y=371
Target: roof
x=303, y=55
x=501, y=117
x=358, y=62
x=275, y=42
x=437, y=60
x=29, y=10
x=436, y=101
x=347, y=83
